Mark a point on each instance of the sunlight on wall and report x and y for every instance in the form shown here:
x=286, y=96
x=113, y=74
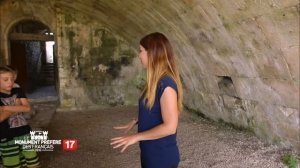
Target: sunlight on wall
x=49, y=51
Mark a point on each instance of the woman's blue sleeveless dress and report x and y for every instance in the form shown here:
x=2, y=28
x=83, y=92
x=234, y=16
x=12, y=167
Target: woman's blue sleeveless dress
x=163, y=152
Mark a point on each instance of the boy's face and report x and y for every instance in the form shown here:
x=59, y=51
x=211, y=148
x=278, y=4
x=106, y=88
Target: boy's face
x=6, y=81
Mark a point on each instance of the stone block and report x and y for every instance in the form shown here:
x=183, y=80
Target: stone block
x=268, y=91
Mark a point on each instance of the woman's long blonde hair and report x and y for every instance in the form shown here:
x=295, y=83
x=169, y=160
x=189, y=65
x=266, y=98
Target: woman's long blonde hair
x=161, y=62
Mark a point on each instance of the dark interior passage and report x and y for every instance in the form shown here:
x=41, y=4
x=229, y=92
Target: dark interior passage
x=32, y=54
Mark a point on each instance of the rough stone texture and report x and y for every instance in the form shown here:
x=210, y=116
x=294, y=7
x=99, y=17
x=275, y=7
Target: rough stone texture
x=239, y=58
x=98, y=64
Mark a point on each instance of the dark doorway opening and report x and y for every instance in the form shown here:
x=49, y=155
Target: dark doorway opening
x=32, y=54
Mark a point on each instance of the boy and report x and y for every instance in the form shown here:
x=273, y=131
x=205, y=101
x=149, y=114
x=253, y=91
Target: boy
x=12, y=123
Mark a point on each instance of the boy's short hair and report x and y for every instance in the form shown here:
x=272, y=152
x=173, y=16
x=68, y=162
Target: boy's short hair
x=12, y=68
x=4, y=69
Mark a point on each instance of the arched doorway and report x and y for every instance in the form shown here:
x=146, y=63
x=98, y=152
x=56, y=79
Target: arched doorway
x=32, y=54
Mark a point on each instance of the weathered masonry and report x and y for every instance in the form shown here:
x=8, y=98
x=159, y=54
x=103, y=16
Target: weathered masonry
x=239, y=59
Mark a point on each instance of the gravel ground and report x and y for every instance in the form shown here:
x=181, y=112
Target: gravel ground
x=202, y=143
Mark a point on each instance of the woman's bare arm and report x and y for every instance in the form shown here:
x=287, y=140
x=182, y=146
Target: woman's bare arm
x=170, y=116
x=169, y=111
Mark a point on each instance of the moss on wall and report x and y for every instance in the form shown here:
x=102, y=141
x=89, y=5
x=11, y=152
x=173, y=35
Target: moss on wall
x=68, y=19
x=96, y=57
x=105, y=52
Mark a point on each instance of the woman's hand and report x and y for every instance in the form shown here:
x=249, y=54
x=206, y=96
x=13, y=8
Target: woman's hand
x=127, y=126
x=124, y=141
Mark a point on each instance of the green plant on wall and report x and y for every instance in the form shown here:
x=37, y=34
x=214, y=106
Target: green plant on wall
x=290, y=160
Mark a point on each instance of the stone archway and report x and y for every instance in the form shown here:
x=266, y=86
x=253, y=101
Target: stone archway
x=31, y=52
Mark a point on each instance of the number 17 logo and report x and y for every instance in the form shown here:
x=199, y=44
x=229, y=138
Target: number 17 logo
x=69, y=144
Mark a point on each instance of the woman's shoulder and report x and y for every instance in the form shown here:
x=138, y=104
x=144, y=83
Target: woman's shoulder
x=166, y=81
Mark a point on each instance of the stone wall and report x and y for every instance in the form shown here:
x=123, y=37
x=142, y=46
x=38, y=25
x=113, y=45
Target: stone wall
x=14, y=11
x=96, y=66
x=239, y=59
x=250, y=68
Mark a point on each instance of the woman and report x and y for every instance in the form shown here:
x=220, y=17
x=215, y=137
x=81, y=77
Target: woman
x=159, y=106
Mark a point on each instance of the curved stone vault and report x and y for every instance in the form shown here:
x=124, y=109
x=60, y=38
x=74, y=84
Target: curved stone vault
x=239, y=59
